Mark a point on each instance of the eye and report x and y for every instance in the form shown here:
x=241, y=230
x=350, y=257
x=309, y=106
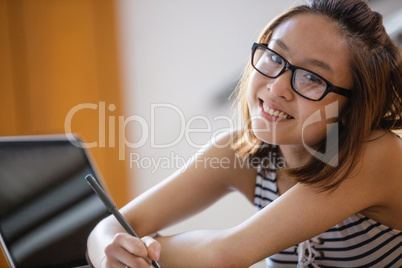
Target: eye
x=312, y=78
x=275, y=58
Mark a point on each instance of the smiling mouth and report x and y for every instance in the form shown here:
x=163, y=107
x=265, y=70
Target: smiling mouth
x=275, y=113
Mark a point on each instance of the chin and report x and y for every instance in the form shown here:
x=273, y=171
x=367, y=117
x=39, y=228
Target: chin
x=270, y=138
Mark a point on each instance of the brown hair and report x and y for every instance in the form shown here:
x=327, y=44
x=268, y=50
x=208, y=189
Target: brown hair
x=376, y=101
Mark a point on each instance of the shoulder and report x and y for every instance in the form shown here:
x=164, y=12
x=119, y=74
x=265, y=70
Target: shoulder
x=383, y=151
x=379, y=166
x=378, y=176
x=376, y=173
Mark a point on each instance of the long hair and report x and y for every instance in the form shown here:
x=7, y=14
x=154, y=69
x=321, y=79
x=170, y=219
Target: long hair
x=376, y=101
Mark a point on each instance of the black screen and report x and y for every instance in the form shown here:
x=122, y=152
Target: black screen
x=47, y=209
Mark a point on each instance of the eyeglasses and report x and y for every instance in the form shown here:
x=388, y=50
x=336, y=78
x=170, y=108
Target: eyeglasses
x=304, y=82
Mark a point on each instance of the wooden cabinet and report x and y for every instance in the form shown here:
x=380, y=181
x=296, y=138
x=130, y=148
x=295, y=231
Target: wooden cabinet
x=54, y=56
x=59, y=71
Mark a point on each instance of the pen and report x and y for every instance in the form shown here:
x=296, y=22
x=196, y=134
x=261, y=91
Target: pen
x=112, y=208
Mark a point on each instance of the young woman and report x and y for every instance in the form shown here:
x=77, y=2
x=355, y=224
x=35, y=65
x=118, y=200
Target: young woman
x=322, y=94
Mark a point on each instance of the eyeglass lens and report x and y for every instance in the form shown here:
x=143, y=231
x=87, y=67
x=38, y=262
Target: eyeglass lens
x=303, y=82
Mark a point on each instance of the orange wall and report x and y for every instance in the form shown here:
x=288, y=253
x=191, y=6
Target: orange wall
x=55, y=55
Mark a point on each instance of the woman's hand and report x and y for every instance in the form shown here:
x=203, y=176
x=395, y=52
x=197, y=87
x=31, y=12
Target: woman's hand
x=128, y=251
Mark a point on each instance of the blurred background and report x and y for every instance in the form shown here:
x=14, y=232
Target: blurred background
x=147, y=81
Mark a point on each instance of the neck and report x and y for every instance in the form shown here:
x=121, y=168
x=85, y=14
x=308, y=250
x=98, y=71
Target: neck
x=295, y=155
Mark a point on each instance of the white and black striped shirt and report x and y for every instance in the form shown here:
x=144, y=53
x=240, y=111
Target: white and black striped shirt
x=355, y=242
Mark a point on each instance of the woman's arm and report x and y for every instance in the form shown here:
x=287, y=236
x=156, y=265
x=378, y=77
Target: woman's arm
x=209, y=177
x=298, y=215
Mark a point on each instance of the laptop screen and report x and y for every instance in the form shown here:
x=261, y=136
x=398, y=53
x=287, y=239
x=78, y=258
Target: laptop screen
x=47, y=209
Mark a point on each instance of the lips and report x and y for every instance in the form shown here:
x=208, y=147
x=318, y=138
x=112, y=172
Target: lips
x=274, y=112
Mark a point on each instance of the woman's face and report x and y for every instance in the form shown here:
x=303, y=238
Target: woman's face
x=312, y=42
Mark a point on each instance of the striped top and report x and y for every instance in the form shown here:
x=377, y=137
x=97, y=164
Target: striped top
x=355, y=242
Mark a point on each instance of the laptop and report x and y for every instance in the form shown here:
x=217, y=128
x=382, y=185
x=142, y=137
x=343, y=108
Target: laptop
x=47, y=209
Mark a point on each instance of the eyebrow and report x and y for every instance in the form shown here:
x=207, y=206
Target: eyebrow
x=310, y=61
x=280, y=43
x=320, y=64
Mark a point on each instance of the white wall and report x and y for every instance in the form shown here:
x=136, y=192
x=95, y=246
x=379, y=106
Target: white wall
x=391, y=11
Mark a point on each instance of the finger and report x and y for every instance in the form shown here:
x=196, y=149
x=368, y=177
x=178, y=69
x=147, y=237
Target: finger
x=132, y=261
x=131, y=244
x=153, y=247
x=118, y=256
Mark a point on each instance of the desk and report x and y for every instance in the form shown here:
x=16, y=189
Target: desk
x=3, y=260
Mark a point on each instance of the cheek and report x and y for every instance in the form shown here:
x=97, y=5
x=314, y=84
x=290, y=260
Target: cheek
x=318, y=123
x=313, y=133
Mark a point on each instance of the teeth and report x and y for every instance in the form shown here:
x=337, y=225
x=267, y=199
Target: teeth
x=275, y=112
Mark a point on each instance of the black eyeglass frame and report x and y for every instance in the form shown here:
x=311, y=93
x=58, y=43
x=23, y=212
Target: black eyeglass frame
x=330, y=87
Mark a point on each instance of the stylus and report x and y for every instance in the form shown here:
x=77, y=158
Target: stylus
x=112, y=208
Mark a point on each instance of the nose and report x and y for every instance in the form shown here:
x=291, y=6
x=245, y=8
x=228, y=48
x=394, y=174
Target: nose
x=281, y=86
